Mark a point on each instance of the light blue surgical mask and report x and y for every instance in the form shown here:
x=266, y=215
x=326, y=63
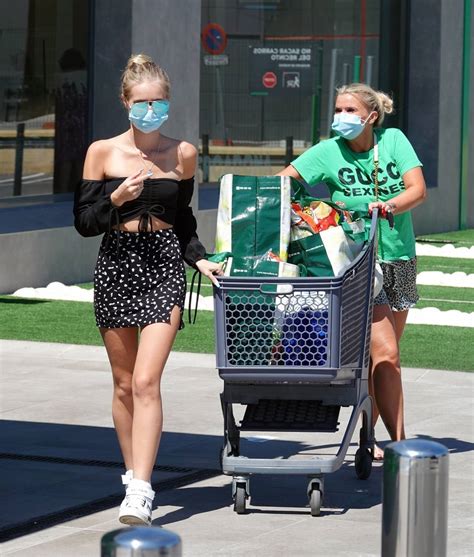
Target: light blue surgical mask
x=349, y=126
x=148, y=116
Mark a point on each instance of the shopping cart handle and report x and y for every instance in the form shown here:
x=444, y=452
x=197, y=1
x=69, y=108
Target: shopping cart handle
x=388, y=215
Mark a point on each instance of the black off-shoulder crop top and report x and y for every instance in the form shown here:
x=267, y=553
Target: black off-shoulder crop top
x=164, y=198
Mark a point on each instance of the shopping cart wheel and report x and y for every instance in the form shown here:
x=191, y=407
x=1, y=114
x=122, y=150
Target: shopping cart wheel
x=315, y=500
x=240, y=499
x=363, y=463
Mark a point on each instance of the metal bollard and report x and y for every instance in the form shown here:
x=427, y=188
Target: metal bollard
x=141, y=541
x=415, y=499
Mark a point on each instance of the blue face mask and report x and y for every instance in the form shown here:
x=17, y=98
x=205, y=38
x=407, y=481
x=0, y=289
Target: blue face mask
x=148, y=116
x=348, y=126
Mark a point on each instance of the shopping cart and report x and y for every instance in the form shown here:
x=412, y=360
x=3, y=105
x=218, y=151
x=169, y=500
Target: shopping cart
x=294, y=351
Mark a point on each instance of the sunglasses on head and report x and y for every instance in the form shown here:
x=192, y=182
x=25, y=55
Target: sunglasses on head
x=139, y=109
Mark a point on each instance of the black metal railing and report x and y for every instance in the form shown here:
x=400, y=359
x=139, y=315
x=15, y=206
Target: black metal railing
x=245, y=154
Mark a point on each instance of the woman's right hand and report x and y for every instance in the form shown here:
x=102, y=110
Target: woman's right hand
x=129, y=189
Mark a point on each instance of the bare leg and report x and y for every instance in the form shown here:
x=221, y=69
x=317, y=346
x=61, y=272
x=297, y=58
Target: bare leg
x=122, y=345
x=400, y=318
x=386, y=372
x=378, y=451
x=156, y=341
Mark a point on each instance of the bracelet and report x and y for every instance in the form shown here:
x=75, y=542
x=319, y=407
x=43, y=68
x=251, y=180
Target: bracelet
x=392, y=206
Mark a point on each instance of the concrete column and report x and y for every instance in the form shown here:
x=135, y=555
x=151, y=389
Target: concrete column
x=433, y=108
x=169, y=32
x=110, y=49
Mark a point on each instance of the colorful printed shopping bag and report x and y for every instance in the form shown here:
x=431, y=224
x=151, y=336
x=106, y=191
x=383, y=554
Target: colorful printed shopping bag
x=254, y=215
x=319, y=242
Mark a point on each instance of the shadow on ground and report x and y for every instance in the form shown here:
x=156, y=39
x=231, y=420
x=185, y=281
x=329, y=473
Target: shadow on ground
x=53, y=473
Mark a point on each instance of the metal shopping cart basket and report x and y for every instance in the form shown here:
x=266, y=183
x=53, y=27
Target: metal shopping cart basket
x=294, y=351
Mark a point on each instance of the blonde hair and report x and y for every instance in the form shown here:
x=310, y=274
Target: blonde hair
x=140, y=68
x=377, y=101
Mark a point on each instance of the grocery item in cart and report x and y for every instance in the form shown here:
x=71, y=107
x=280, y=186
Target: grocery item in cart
x=311, y=218
x=267, y=265
x=304, y=338
x=319, y=243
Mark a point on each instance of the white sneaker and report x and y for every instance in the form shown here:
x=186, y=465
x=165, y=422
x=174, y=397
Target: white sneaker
x=136, y=507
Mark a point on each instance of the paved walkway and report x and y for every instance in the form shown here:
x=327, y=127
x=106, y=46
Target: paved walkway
x=61, y=465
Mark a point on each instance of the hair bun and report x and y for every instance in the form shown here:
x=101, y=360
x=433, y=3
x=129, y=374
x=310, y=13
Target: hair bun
x=138, y=60
x=386, y=102
x=140, y=68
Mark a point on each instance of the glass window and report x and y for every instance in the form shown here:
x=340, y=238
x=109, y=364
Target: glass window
x=43, y=85
x=268, y=73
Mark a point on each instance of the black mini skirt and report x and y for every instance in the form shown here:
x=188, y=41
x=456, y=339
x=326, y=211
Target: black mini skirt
x=139, y=278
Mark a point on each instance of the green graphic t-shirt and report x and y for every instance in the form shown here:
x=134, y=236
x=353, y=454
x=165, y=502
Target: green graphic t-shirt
x=349, y=177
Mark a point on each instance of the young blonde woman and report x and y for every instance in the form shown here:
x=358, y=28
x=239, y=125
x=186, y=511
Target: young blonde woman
x=136, y=189
x=348, y=164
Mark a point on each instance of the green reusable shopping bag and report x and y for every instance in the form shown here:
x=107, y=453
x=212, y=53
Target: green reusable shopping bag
x=254, y=215
x=359, y=229
x=310, y=255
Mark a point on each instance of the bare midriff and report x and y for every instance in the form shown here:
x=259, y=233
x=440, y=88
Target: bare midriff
x=133, y=225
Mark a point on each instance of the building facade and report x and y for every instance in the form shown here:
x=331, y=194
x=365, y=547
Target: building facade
x=253, y=84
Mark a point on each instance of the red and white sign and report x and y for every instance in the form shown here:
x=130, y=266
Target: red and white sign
x=213, y=38
x=269, y=80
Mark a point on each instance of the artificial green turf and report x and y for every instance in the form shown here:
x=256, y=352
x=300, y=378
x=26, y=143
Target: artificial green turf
x=427, y=346
x=444, y=264
x=74, y=323
x=437, y=347
x=48, y=321
x=453, y=293
x=86, y=285
x=446, y=298
x=446, y=305
x=198, y=337
x=461, y=237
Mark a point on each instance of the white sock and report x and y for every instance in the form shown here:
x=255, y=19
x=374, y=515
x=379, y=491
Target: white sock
x=140, y=483
x=127, y=477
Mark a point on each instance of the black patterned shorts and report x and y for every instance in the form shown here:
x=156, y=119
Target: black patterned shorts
x=139, y=278
x=399, y=285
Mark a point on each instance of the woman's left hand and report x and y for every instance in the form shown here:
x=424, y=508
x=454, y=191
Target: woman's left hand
x=209, y=269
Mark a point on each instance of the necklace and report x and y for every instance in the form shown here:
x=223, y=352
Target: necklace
x=149, y=172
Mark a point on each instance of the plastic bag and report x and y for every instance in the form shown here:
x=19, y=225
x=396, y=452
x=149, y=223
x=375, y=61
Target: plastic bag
x=325, y=238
